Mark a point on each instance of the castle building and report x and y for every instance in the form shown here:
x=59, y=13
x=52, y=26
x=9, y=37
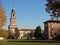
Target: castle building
x=16, y=33
x=52, y=29
x=22, y=34
x=12, y=25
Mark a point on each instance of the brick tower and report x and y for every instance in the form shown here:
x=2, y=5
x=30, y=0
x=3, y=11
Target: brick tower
x=12, y=25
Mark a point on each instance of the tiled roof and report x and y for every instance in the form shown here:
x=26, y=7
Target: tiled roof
x=27, y=29
x=58, y=21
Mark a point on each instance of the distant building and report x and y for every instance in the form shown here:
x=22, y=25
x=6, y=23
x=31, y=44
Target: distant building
x=52, y=29
x=24, y=33
x=18, y=33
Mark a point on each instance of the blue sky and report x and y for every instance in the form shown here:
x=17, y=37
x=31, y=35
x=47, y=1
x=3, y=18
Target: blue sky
x=29, y=13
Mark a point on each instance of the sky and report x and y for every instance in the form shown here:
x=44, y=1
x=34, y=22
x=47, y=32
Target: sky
x=29, y=13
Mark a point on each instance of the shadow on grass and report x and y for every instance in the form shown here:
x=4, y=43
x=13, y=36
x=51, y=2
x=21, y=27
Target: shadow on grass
x=39, y=41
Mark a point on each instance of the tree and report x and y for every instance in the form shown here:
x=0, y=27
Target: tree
x=28, y=35
x=38, y=33
x=16, y=33
x=2, y=17
x=10, y=36
x=53, y=8
x=3, y=33
x=31, y=34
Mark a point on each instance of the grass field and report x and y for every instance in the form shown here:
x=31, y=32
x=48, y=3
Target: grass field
x=5, y=42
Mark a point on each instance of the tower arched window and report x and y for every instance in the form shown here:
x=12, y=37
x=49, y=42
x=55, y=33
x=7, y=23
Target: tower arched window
x=13, y=14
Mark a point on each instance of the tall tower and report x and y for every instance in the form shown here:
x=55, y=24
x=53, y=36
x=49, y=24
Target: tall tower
x=12, y=25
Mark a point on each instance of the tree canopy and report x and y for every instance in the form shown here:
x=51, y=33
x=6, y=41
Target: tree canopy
x=37, y=33
x=53, y=8
x=3, y=33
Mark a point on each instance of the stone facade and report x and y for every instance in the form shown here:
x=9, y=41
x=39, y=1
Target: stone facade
x=52, y=29
x=24, y=33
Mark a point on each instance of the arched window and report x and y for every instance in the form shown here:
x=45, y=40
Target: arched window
x=13, y=14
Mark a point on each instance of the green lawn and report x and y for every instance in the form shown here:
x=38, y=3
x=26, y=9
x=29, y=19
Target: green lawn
x=5, y=42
